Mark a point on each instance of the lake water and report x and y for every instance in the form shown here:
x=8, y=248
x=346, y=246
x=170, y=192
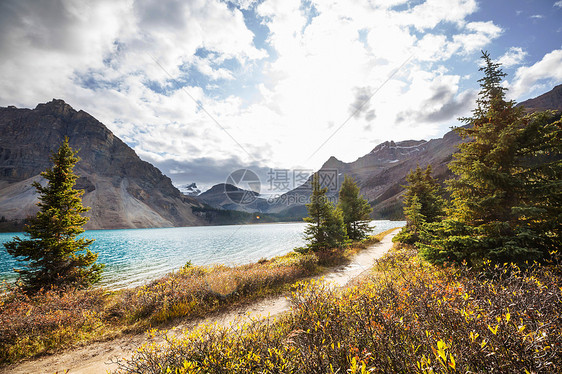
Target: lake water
x=136, y=256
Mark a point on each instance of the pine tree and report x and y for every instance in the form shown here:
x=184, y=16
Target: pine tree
x=356, y=210
x=423, y=203
x=51, y=253
x=483, y=192
x=429, y=193
x=503, y=196
x=326, y=229
x=538, y=175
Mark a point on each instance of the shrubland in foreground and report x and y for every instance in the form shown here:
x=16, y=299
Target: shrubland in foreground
x=408, y=317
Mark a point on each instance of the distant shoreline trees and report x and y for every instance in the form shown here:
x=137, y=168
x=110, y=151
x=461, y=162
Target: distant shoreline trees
x=326, y=228
x=331, y=226
x=355, y=209
x=50, y=254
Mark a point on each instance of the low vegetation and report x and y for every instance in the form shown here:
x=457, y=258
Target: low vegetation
x=409, y=317
x=52, y=319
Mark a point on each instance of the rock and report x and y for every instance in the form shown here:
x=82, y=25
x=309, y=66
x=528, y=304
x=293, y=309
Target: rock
x=122, y=190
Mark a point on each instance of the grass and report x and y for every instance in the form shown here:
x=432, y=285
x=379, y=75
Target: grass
x=408, y=317
x=55, y=319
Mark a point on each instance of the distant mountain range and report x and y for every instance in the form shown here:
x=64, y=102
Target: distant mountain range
x=122, y=190
x=381, y=173
x=225, y=196
x=126, y=192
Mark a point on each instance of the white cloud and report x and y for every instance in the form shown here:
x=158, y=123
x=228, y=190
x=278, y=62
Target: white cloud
x=472, y=38
x=558, y=4
x=480, y=34
x=514, y=56
x=114, y=38
x=204, y=66
x=244, y=4
x=320, y=68
x=529, y=78
x=430, y=13
x=487, y=28
x=53, y=50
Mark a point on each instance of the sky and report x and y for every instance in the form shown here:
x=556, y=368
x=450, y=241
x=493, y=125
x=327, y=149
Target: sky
x=201, y=88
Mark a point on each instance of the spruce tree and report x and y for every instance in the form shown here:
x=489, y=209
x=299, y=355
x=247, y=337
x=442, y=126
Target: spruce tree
x=356, y=210
x=51, y=253
x=538, y=175
x=423, y=203
x=483, y=191
x=428, y=192
x=504, y=194
x=326, y=229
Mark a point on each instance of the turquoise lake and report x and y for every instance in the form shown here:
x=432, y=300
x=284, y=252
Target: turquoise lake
x=137, y=256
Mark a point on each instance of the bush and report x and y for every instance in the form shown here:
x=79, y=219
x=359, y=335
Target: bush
x=59, y=317
x=410, y=317
x=48, y=320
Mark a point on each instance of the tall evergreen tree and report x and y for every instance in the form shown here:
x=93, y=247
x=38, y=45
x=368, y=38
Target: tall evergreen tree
x=326, y=229
x=51, y=253
x=483, y=192
x=356, y=210
x=504, y=176
x=538, y=175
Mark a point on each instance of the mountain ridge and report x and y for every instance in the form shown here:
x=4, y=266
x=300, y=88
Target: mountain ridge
x=122, y=190
x=551, y=100
x=381, y=173
x=127, y=192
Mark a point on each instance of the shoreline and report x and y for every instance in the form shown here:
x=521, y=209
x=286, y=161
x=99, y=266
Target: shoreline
x=99, y=357
x=122, y=272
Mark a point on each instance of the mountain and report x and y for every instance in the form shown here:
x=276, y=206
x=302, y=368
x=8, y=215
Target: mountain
x=126, y=192
x=122, y=190
x=552, y=100
x=190, y=189
x=381, y=173
x=228, y=196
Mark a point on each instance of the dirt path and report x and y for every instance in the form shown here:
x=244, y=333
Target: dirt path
x=100, y=357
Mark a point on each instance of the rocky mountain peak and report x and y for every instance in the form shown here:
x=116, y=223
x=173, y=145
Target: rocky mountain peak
x=56, y=106
x=391, y=151
x=122, y=190
x=332, y=163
